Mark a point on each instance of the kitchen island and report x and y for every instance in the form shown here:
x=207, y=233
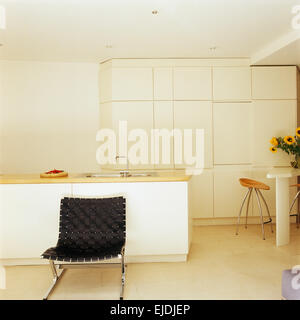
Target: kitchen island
x=158, y=222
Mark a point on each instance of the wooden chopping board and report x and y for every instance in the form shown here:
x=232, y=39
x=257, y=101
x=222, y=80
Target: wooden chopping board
x=51, y=174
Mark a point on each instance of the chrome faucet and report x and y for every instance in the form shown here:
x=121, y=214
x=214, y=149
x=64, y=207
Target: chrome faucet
x=124, y=173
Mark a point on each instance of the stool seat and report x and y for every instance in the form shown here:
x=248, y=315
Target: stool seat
x=254, y=186
x=249, y=183
x=295, y=185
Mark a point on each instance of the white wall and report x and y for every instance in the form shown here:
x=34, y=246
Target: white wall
x=48, y=116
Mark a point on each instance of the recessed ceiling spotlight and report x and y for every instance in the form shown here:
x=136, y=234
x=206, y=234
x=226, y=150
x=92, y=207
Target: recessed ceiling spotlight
x=154, y=11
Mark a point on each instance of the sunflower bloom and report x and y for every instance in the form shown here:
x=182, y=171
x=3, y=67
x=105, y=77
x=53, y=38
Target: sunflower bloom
x=298, y=132
x=289, y=140
x=273, y=149
x=274, y=141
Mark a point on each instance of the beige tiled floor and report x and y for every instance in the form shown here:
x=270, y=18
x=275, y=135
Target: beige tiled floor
x=220, y=266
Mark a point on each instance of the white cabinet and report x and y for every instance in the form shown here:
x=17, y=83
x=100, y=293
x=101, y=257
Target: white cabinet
x=195, y=115
x=272, y=118
x=163, y=83
x=29, y=218
x=274, y=82
x=202, y=195
x=192, y=83
x=105, y=83
x=232, y=133
x=132, y=84
x=139, y=117
x=105, y=115
x=156, y=215
x=228, y=193
x=232, y=83
x=163, y=121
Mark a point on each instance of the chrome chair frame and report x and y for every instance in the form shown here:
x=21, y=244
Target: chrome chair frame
x=81, y=246
x=258, y=196
x=56, y=278
x=58, y=275
x=297, y=215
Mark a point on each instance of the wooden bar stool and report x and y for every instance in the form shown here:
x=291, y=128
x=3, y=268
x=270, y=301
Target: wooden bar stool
x=297, y=215
x=256, y=186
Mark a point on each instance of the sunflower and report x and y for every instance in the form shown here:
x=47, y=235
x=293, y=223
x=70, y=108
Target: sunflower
x=273, y=149
x=289, y=140
x=274, y=141
x=298, y=132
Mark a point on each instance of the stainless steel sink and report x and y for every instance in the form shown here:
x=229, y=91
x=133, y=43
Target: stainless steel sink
x=102, y=175
x=119, y=175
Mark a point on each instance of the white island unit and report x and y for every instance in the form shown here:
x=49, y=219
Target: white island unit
x=158, y=224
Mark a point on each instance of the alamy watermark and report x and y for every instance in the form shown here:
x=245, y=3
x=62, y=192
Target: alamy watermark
x=296, y=279
x=156, y=146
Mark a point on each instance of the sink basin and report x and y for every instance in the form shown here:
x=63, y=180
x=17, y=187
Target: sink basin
x=118, y=175
x=103, y=175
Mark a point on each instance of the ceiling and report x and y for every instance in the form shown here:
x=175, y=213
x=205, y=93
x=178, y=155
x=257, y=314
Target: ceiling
x=95, y=30
x=289, y=55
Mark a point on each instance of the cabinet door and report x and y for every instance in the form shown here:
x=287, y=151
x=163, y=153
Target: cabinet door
x=232, y=83
x=29, y=218
x=105, y=83
x=274, y=82
x=194, y=115
x=228, y=193
x=163, y=120
x=163, y=83
x=132, y=84
x=232, y=133
x=139, y=116
x=201, y=187
x=272, y=118
x=105, y=115
x=192, y=83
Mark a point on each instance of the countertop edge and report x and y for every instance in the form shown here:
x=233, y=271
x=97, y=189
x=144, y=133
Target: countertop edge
x=73, y=179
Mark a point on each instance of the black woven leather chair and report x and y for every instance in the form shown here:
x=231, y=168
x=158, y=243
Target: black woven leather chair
x=90, y=230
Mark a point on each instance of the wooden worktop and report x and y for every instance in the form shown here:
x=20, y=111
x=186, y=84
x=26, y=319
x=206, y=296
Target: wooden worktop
x=160, y=176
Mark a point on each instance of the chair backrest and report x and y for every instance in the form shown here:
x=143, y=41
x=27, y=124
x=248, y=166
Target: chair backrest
x=90, y=224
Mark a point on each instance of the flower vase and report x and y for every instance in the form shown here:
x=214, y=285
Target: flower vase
x=296, y=163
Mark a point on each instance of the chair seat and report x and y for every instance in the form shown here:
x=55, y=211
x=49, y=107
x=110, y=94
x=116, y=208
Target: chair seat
x=67, y=254
x=295, y=185
x=249, y=183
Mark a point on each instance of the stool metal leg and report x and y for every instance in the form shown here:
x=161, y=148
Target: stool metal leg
x=270, y=221
x=261, y=216
x=294, y=200
x=238, y=223
x=248, y=206
x=291, y=208
x=298, y=214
